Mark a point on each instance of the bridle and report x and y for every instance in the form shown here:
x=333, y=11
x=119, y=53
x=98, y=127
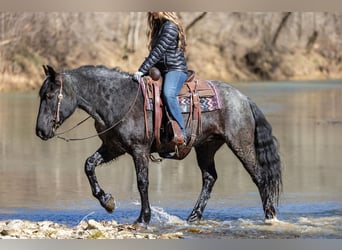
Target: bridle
x=60, y=97
x=56, y=120
x=57, y=117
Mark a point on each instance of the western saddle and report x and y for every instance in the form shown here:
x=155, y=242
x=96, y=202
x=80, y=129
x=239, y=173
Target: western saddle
x=194, y=89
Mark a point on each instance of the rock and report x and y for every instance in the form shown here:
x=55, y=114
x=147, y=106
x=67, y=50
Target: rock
x=12, y=227
x=176, y=235
x=62, y=234
x=151, y=236
x=83, y=225
x=45, y=225
x=92, y=224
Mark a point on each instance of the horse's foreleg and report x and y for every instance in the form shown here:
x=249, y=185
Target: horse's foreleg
x=205, y=158
x=141, y=166
x=105, y=199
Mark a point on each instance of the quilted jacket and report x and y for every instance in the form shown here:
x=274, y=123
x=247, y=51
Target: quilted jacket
x=164, y=53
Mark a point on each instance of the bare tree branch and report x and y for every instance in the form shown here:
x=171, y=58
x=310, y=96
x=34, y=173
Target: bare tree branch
x=281, y=25
x=195, y=21
x=311, y=41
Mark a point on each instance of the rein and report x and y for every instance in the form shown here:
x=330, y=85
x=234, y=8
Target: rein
x=60, y=97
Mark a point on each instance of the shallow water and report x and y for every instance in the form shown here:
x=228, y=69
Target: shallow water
x=46, y=181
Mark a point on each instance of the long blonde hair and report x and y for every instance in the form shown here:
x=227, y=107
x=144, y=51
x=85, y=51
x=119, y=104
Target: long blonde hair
x=153, y=25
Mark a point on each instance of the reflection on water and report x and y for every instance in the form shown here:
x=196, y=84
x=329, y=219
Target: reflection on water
x=306, y=117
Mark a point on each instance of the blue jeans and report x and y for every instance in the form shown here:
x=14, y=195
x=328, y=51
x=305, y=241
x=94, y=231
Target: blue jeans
x=173, y=82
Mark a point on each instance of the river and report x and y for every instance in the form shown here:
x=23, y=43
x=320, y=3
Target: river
x=45, y=180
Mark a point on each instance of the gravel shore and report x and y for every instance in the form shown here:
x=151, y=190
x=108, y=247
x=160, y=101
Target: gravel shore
x=91, y=229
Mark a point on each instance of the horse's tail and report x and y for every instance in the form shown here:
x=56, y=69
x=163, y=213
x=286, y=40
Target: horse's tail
x=268, y=158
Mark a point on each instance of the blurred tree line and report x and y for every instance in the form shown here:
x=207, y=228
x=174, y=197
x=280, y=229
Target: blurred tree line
x=229, y=46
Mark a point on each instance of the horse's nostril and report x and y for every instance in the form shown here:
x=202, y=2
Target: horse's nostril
x=41, y=134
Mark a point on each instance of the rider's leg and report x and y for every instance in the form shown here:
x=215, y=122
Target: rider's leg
x=173, y=82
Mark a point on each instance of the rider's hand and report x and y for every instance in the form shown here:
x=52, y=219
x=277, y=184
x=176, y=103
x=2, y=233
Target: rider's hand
x=137, y=76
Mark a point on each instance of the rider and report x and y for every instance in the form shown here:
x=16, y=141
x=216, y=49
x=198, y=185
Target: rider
x=167, y=44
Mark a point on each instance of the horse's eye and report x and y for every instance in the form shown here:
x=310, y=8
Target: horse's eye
x=50, y=95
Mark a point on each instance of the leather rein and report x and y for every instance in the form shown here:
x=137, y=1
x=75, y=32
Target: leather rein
x=57, y=118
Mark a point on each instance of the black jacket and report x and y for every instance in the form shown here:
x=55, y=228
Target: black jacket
x=164, y=53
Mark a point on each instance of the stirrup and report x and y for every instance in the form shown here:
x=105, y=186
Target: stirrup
x=178, y=140
x=166, y=155
x=181, y=140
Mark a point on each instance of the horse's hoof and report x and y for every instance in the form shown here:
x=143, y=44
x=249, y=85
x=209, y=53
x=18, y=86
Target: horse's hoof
x=139, y=225
x=193, y=218
x=272, y=221
x=109, y=203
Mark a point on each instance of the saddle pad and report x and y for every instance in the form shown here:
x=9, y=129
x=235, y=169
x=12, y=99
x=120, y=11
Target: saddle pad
x=207, y=103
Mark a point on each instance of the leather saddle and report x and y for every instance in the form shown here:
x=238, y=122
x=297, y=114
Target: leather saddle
x=193, y=89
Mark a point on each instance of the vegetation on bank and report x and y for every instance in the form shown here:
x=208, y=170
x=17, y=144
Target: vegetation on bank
x=226, y=46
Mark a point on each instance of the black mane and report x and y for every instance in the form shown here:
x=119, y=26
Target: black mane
x=100, y=69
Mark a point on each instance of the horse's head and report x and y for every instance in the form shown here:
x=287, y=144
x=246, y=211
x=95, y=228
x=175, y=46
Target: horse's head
x=57, y=103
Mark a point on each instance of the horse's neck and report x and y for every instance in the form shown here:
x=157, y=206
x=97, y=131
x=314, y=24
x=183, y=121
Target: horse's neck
x=87, y=106
x=105, y=103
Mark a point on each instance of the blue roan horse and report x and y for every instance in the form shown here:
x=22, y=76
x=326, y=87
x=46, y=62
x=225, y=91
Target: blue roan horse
x=115, y=101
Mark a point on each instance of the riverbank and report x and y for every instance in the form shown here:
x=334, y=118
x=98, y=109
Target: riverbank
x=90, y=229
x=253, y=47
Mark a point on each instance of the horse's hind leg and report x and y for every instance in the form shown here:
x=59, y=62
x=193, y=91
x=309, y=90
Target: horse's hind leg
x=244, y=148
x=205, y=158
x=102, y=155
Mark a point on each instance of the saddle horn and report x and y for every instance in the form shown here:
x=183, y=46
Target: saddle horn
x=154, y=73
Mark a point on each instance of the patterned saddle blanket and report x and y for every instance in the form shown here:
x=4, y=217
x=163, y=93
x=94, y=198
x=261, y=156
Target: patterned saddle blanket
x=208, y=96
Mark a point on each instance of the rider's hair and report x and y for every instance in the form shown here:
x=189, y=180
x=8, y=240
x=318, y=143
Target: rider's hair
x=154, y=25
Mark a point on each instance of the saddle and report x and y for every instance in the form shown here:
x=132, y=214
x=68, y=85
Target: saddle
x=193, y=89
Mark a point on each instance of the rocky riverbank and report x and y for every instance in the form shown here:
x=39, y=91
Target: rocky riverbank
x=91, y=229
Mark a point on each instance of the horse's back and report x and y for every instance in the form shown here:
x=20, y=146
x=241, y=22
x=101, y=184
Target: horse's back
x=232, y=100
x=235, y=113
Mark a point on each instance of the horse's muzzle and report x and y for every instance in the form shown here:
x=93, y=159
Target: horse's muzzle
x=44, y=135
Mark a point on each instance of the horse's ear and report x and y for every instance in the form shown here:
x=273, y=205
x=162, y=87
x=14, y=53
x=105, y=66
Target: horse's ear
x=45, y=70
x=49, y=71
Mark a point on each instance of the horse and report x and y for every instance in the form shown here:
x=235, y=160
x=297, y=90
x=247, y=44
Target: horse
x=115, y=101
